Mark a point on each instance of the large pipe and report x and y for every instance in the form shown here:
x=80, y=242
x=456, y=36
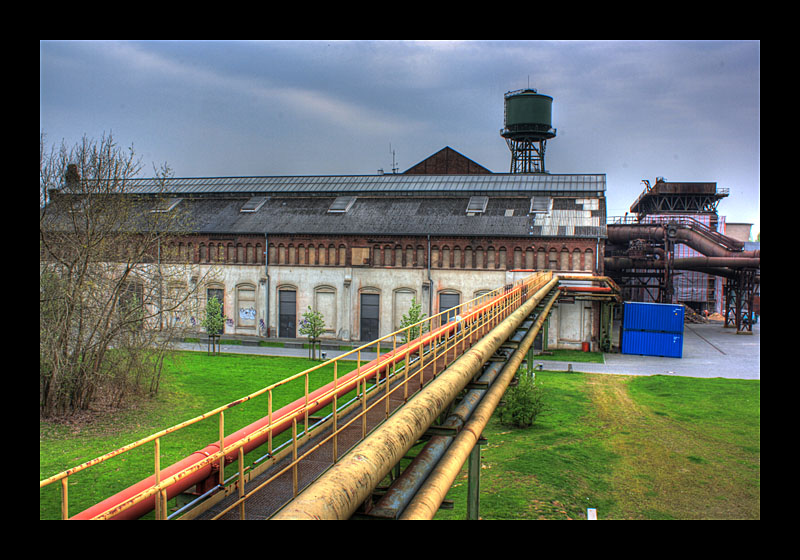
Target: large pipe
x=403, y=489
x=687, y=263
x=127, y=503
x=697, y=241
x=340, y=490
x=427, y=501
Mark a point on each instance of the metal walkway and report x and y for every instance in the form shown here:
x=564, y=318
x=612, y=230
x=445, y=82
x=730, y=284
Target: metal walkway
x=405, y=395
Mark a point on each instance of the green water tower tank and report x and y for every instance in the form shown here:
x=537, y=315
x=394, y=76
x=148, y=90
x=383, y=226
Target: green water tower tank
x=528, y=116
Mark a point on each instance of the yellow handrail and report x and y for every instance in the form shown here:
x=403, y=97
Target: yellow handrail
x=471, y=322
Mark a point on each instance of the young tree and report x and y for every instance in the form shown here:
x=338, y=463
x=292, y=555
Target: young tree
x=214, y=321
x=312, y=325
x=414, y=316
x=523, y=403
x=108, y=284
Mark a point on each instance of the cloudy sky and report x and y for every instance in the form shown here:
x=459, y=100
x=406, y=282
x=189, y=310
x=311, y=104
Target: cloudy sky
x=686, y=111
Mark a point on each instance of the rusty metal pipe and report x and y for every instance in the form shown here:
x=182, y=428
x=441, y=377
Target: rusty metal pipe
x=684, y=263
x=430, y=496
x=339, y=491
x=623, y=233
x=127, y=503
x=403, y=489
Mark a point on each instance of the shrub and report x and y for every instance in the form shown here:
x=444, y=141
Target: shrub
x=524, y=403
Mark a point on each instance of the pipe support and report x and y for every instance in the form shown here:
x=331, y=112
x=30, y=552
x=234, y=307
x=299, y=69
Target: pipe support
x=427, y=501
x=338, y=492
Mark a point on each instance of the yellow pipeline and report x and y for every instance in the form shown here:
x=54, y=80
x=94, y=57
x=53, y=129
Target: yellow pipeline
x=430, y=496
x=339, y=492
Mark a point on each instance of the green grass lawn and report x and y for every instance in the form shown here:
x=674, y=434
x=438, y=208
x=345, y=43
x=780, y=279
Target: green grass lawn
x=571, y=356
x=193, y=383
x=632, y=447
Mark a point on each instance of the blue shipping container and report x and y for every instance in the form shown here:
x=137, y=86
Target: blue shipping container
x=647, y=343
x=653, y=317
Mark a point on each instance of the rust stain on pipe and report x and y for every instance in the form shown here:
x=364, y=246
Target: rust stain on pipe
x=339, y=492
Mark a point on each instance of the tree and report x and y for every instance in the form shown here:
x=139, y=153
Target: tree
x=312, y=325
x=111, y=293
x=214, y=321
x=523, y=403
x=414, y=316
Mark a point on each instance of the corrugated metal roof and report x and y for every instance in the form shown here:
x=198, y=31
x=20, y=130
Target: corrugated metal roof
x=494, y=183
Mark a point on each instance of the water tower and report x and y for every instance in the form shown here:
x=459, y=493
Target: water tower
x=527, y=129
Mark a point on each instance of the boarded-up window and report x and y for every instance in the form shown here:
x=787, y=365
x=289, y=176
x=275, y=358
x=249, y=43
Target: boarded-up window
x=401, y=305
x=359, y=256
x=246, y=306
x=325, y=303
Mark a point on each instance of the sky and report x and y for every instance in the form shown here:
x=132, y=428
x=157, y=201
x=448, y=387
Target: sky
x=688, y=111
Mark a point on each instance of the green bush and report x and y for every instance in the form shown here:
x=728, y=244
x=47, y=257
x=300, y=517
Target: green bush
x=524, y=403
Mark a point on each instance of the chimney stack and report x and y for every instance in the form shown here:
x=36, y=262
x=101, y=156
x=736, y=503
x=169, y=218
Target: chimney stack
x=72, y=178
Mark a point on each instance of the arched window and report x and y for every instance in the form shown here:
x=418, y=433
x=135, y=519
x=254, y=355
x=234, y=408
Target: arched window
x=517, y=257
x=469, y=257
x=216, y=290
x=325, y=303
x=402, y=303
x=246, y=315
x=588, y=260
x=287, y=311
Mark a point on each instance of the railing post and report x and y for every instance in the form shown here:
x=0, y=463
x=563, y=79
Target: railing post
x=335, y=413
x=157, y=462
x=294, y=456
x=241, y=483
x=305, y=419
x=222, y=447
x=64, y=502
x=364, y=408
x=405, y=374
x=269, y=420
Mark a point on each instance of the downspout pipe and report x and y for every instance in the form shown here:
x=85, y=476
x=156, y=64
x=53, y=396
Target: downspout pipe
x=427, y=501
x=340, y=490
x=266, y=273
x=430, y=281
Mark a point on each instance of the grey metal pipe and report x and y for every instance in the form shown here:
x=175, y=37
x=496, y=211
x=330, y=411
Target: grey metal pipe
x=392, y=504
x=426, y=502
x=340, y=490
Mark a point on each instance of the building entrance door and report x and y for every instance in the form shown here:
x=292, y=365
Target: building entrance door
x=287, y=313
x=370, y=312
x=447, y=302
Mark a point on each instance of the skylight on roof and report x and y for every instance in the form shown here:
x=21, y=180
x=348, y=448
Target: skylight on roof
x=540, y=204
x=166, y=204
x=253, y=204
x=477, y=204
x=342, y=204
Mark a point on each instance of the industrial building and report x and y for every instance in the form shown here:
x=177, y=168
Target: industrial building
x=675, y=247
x=360, y=248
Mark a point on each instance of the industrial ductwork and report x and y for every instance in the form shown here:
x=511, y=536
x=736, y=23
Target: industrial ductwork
x=618, y=234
